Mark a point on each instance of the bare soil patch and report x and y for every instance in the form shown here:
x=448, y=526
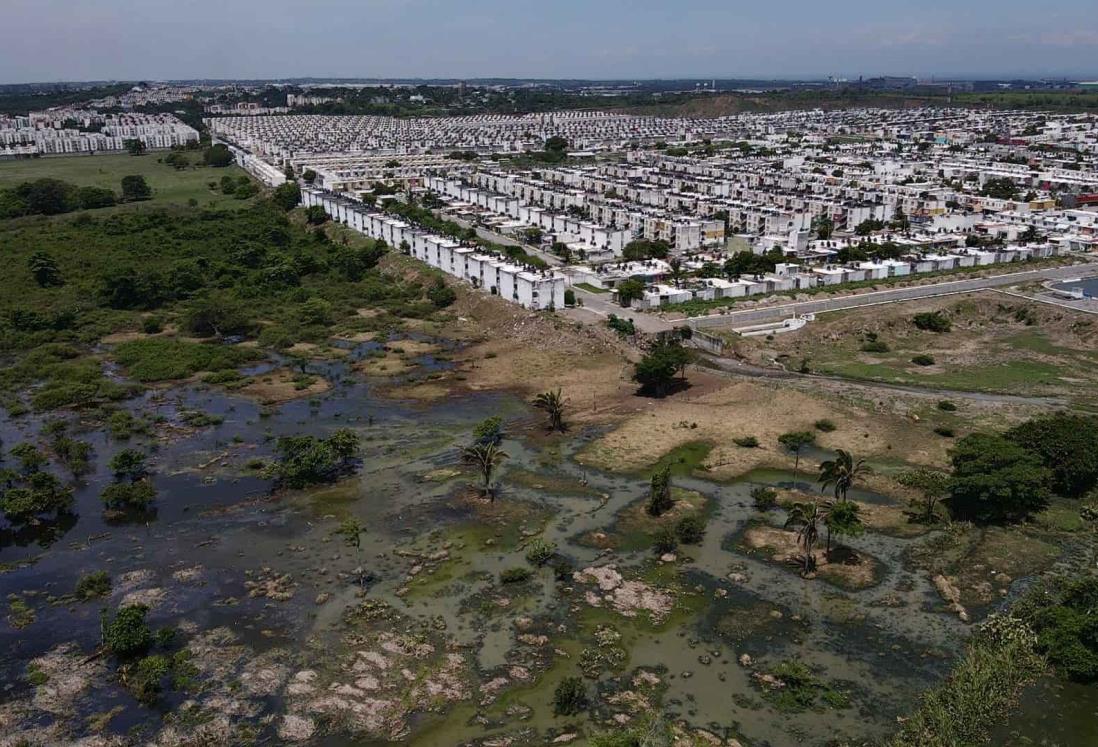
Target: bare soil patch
x=283, y=385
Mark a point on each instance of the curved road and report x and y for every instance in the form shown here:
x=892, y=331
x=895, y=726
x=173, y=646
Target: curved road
x=874, y=298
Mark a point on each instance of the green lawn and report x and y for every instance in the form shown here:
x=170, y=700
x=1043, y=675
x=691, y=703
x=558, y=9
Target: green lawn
x=169, y=185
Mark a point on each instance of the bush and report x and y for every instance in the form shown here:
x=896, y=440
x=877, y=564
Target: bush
x=690, y=530
x=923, y=360
x=145, y=678
x=825, y=426
x=441, y=295
x=875, y=346
x=120, y=495
x=539, y=552
x=1067, y=631
x=569, y=297
x=764, y=498
x=665, y=540
x=152, y=325
x=946, y=406
x=570, y=697
x=746, y=442
x=125, y=633
x=944, y=431
x=932, y=321
x=91, y=585
x=515, y=575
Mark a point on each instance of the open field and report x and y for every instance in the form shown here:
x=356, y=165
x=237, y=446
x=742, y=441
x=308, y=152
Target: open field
x=995, y=344
x=170, y=186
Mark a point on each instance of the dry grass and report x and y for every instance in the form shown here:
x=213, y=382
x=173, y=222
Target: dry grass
x=282, y=386
x=762, y=410
x=847, y=568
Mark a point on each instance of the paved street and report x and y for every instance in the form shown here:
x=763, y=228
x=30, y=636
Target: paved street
x=783, y=311
x=602, y=305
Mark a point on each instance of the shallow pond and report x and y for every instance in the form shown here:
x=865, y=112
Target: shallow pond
x=413, y=637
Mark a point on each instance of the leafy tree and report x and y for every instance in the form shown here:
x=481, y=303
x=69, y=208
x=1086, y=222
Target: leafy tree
x=308, y=176
x=287, y=196
x=315, y=215
x=1067, y=444
x=92, y=198
x=629, y=291
x=217, y=314
x=485, y=458
x=641, y=249
x=933, y=485
x=747, y=263
x=1001, y=188
x=656, y=371
x=796, y=442
x=994, y=479
x=764, y=498
x=177, y=161
x=219, y=156
x=824, y=226
x=46, y=196
x=552, y=404
x=135, y=188
x=660, y=499
x=45, y=270
x=125, y=632
x=134, y=147
x=556, y=143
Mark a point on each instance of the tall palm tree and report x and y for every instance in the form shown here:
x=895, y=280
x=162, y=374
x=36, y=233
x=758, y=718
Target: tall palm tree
x=552, y=404
x=485, y=457
x=806, y=519
x=841, y=473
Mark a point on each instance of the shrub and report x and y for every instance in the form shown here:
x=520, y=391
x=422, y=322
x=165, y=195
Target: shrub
x=489, y=430
x=923, y=360
x=152, y=325
x=121, y=495
x=441, y=294
x=145, y=678
x=746, y=442
x=660, y=499
x=690, y=530
x=125, y=633
x=515, y=575
x=1067, y=632
x=875, y=346
x=944, y=431
x=569, y=297
x=539, y=552
x=946, y=406
x=764, y=498
x=94, y=584
x=825, y=425
x=570, y=697
x=665, y=540
x=932, y=321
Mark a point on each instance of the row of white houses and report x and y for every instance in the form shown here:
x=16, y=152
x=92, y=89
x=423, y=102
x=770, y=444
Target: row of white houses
x=529, y=287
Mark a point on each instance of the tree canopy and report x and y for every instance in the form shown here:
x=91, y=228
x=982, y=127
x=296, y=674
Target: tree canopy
x=995, y=479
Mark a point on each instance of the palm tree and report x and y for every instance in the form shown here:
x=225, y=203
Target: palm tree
x=676, y=270
x=806, y=518
x=553, y=405
x=841, y=472
x=485, y=457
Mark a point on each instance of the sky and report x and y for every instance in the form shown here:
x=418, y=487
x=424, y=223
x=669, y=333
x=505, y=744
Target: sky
x=74, y=40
